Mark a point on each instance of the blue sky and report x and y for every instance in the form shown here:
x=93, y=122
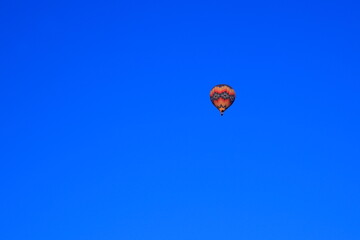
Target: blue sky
x=108, y=131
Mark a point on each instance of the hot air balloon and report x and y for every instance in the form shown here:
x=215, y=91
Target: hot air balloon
x=222, y=96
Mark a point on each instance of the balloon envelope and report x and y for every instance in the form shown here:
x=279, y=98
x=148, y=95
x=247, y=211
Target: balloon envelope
x=222, y=96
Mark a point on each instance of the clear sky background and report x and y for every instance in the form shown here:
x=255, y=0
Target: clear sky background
x=107, y=130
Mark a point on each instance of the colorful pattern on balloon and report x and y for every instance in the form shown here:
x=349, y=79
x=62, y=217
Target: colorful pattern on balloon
x=222, y=96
